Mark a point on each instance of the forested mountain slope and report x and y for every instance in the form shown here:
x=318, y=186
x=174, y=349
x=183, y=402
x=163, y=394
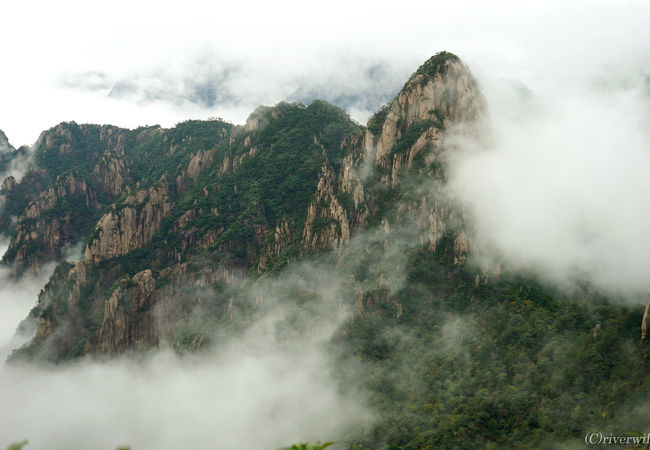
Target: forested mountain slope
x=181, y=230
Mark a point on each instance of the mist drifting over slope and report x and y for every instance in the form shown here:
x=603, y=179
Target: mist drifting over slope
x=266, y=387
x=560, y=186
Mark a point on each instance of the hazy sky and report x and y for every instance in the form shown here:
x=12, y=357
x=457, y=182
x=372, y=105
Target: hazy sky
x=135, y=63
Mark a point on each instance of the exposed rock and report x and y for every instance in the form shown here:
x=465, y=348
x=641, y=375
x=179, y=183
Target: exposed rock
x=353, y=183
x=8, y=184
x=435, y=101
x=461, y=248
x=128, y=319
x=257, y=118
x=645, y=324
x=50, y=222
x=198, y=163
x=5, y=146
x=326, y=226
x=132, y=226
x=282, y=236
x=598, y=330
x=111, y=173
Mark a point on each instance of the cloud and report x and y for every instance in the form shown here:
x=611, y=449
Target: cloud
x=253, y=393
x=285, y=50
x=267, y=386
x=17, y=297
x=559, y=187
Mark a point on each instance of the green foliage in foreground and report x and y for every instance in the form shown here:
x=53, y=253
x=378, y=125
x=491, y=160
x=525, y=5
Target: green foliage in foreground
x=309, y=446
x=17, y=445
x=20, y=445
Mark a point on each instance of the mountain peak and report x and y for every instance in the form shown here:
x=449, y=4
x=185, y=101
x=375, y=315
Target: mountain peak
x=4, y=143
x=442, y=92
x=438, y=64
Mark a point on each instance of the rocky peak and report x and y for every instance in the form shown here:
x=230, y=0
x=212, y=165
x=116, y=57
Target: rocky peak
x=111, y=173
x=256, y=118
x=5, y=146
x=130, y=225
x=8, y=184
x=49, y=222
x=232, y=213
x=441, y=93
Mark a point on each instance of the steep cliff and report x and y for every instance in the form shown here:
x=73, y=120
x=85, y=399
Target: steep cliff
x=128, y=225
x=295, y=181
x=61, y=195
x=5, y=146
x=13, y=163
x=193, y=233
x=58, y=216
x=406, y=136
x=79, y=170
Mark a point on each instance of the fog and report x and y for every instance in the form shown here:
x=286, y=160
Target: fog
x=17, y=297
x=253, y=393
x=169, y=63
x=268, y=387
x=560, y=186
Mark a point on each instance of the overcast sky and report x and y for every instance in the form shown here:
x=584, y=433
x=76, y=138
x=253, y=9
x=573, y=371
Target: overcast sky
x=133, y=63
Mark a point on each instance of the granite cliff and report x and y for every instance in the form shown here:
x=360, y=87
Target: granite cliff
x=187, y=236
x=295, y=181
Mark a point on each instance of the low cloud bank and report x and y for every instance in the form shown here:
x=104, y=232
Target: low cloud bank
x=265, y=388
x=560, y=187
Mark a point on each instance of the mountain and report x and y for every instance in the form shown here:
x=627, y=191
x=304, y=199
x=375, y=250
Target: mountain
x=182, y=230
x=12, y=161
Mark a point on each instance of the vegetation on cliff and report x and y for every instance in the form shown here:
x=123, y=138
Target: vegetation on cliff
x=185, y=229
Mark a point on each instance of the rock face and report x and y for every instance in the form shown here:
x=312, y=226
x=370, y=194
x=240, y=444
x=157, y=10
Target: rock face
x=5, y=146
x=645, y=324
x=111, y=173
x=441, y=94
x=55, y=217
x=327, y=225
x=167, y=247
x=128, y=320
x=132, y=226
x=194, y=168
x=8, y=184
x=76, y=169
x=281, y=238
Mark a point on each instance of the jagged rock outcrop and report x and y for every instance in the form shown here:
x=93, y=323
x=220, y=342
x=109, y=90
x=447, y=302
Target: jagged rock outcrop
x=257, y=118
x=128, y=320
x=441, y=94
x=8, y=184
x=5, y=146
x=237, y=221
x=77, y=168
x=52, y=220
x=198, y=163
x=281, y=238
x=111, y=174
x=645, y=323
x=326, y=226
x=128, y=226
